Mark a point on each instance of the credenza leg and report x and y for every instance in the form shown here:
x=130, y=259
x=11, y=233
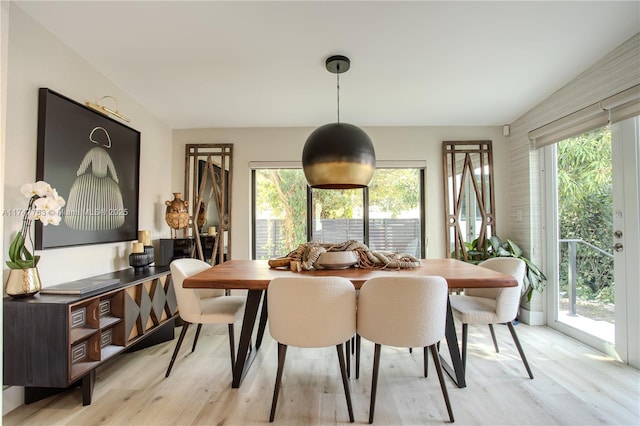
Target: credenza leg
x=87, y=387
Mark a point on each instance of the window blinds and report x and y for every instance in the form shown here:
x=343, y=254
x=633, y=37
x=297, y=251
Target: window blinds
x=615, y=108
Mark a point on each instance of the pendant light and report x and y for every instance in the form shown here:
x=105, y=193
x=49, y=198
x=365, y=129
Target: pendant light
x=338, y=155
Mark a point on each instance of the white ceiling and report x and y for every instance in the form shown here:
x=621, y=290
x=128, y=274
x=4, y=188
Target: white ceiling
x=246, y=64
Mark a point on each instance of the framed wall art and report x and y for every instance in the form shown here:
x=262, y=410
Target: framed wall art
x=93, y=161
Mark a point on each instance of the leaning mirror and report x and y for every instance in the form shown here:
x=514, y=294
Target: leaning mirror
x=208, y=172
x=469, y=201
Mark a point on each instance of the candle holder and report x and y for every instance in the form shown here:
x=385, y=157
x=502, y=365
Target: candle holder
x=139, y=261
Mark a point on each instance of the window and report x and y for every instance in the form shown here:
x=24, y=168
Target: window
x=389, y=215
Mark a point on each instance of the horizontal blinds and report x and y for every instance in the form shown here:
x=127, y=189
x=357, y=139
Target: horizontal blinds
x=615, y=108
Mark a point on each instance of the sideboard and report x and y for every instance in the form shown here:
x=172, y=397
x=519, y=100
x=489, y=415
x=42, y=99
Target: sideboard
x=54, y=341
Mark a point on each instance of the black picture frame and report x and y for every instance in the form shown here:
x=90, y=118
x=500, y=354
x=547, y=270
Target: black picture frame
x=93, y=161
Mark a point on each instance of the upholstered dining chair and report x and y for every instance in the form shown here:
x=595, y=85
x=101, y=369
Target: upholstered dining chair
x=202, y=306
x=492, y=305
x=404, y=311
x=311, y=312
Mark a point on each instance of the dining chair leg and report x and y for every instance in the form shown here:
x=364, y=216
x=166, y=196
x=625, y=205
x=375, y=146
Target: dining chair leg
x=517, y=342
x=374, y=381
x=345, y=380
x=353, y=345
x=282, y=353
x=232, y=345
x=177, y=349
x=410, y=350
x=358, y=340
x=493, y=336
x=348, y=357
x=465, y=332
x=195, y=339
x=425, y=360
x=436, y=362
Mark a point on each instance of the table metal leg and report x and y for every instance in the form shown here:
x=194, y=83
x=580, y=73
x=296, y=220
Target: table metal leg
x=264, y=315
x=245, y=355
x=456, y=372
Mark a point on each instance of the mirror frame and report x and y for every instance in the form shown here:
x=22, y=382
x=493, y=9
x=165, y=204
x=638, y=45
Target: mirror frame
x=221, y=157
x=454, y=155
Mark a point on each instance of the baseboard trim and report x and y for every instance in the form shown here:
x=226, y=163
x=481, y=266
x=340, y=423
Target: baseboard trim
x=531, y=317
x=12, y=398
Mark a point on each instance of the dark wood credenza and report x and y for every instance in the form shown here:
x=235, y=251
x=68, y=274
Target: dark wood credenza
x=53, y=342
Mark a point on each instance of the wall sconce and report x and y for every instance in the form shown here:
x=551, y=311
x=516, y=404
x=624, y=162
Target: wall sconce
x=106, y=110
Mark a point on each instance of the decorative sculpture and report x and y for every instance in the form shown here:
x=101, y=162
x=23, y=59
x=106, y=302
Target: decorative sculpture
x=177, y=214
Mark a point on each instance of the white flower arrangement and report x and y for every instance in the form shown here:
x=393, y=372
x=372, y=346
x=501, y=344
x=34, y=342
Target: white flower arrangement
x=44, y=205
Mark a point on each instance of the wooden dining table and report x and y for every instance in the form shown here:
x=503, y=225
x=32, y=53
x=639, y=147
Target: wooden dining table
x=255, y=276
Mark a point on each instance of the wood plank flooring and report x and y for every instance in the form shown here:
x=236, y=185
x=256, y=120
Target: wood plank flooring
x=573, y=385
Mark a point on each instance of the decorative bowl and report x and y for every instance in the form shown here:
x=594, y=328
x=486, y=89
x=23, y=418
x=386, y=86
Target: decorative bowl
x=336, y=260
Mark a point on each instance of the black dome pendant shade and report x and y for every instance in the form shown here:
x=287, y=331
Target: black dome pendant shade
x=338, y=155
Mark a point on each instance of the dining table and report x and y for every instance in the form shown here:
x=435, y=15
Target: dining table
x=255, y=276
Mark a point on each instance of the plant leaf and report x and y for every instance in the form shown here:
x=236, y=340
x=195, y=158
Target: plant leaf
x=514, y=248
x=16, y=246
x=23, y=264
x=495, y=242
x=502, y=252
x=13, y=265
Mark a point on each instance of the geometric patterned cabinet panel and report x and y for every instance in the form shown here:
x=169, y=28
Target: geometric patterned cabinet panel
x=52, y=341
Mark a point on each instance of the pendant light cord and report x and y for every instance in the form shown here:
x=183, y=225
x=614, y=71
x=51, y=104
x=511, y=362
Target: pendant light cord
x=338, y=91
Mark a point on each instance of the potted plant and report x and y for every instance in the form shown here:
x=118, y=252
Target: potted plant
x=44, y=205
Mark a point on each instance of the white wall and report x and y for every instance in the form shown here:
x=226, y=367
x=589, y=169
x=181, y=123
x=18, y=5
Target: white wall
x=37, y=59
x=391, y=143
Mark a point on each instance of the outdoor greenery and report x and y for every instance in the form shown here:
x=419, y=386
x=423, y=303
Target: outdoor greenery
x=283, y=193
x=585, y=212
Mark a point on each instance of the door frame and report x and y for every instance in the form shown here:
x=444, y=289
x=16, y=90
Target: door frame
x=625, y=140
x=626, y=169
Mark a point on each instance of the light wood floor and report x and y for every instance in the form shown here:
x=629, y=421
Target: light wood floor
x=573, y=385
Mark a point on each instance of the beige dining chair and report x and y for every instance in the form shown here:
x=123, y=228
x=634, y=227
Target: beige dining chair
x=311, y=312
x=202, y=306
x=404, y=311
x=492, y=305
